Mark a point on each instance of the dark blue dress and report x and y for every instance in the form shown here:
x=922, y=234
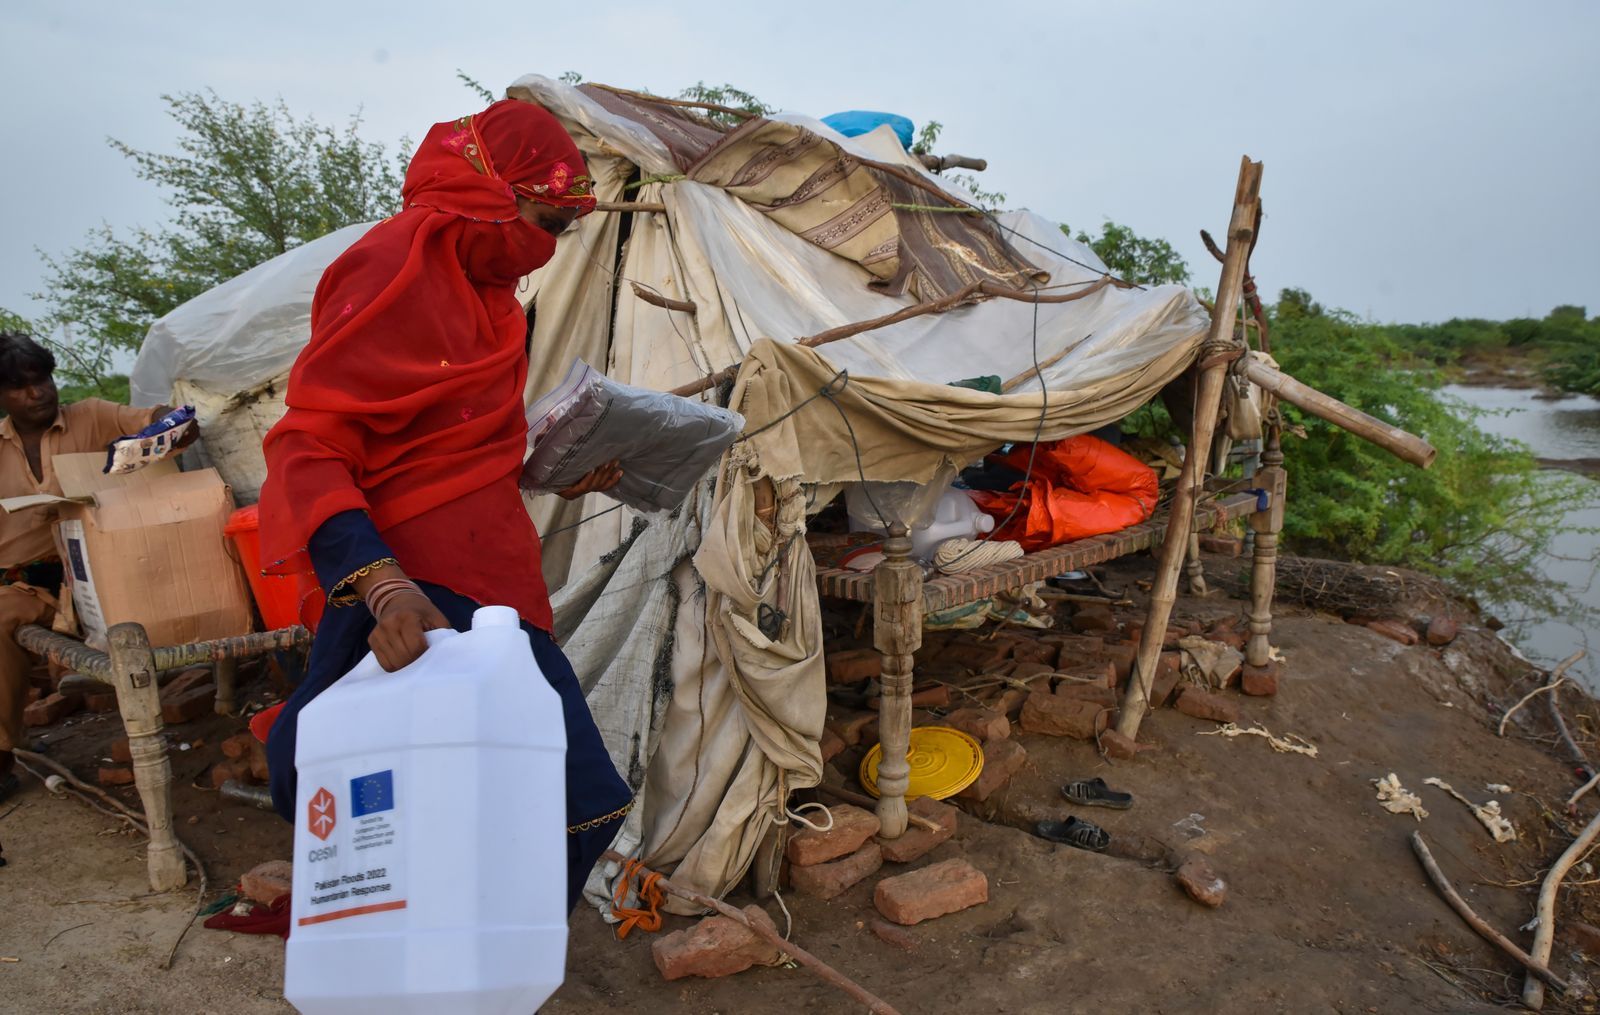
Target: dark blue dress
x=597, y=797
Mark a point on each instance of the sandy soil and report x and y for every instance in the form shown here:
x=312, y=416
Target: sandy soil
x=1327, y=908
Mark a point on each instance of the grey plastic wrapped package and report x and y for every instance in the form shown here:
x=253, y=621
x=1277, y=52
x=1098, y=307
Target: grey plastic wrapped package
x=663, y=442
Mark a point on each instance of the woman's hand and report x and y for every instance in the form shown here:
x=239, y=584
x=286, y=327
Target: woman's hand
x=398, y=639
x=599, y=480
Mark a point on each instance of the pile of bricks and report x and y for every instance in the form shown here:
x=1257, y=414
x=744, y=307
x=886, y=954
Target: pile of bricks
x=825, y=865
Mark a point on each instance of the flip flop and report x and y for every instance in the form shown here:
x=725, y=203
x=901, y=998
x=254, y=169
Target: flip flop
x=1075, y=832
x=1095, y=793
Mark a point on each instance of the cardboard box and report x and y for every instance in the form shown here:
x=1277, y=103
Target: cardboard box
x=146, y=548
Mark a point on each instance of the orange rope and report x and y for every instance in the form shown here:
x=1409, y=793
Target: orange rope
x=650, y=895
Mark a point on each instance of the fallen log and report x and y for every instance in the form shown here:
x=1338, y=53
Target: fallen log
x=1475, y=921
x=1405, y=446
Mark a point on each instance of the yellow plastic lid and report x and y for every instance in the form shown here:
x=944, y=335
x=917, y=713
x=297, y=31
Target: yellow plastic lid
x=943, y=763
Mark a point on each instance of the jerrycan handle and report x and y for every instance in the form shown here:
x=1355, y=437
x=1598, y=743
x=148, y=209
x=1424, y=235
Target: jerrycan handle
x=437, y=635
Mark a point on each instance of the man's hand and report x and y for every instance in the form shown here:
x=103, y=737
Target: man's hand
x=599, y=480
x=398, y=639
x=188, y=438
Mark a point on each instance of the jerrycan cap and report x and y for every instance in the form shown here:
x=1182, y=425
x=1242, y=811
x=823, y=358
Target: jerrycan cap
x=495, y=616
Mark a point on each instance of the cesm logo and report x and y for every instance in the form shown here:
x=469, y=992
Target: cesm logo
x=322, y=815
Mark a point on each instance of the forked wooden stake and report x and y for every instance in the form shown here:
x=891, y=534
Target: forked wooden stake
x=1208, y=404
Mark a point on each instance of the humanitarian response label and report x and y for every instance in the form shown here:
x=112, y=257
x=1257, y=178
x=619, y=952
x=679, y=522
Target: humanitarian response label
x=356, y=858
x=84, y=597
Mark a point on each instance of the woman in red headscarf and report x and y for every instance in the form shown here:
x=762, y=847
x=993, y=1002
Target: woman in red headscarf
x=395, y=467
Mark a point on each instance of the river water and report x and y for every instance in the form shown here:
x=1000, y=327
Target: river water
x=1565, y=428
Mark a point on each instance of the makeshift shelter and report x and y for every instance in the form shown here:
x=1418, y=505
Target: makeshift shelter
x=697, y=635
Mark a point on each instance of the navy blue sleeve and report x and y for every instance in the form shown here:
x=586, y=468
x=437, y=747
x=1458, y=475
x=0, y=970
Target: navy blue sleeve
x=342, y=549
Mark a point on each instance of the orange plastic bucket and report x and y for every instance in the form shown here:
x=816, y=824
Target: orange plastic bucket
x=284, y=601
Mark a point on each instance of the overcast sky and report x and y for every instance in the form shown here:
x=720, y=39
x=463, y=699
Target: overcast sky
x=1423, y=160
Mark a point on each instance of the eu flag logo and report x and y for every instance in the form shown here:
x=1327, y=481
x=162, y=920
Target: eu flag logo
x=370, y=794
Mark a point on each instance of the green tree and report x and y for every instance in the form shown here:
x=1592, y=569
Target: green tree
x=1483, y=517
x=1134, y=257
x=248, y=182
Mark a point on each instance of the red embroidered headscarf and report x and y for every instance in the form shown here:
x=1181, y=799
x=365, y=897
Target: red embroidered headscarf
x=409, y=396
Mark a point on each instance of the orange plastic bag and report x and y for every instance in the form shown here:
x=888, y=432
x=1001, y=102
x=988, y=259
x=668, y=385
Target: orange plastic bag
x=1081, y=487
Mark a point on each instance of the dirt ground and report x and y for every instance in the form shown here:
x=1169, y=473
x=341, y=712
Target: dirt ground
x=1327, y=908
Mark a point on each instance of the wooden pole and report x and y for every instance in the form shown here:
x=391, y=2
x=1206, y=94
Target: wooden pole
x=1196, y=568
x=1544, y=934
x=1475, y=921
x=627, y=206
x=896, y=634
x=226, y=672
x=133, y=673
x=1405, y=446
x=1208, y=405
x=875, y=1004
x=1265, y=526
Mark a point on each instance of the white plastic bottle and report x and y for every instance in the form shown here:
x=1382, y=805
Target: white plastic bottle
x=956, y=516
x=430, y=838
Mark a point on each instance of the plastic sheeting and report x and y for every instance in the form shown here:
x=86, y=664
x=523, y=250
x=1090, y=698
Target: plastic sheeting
x=242, y=333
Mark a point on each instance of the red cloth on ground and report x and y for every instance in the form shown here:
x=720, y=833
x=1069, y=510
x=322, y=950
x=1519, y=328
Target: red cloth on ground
x=1081, y=487
x=407, y=403
x=273, y=919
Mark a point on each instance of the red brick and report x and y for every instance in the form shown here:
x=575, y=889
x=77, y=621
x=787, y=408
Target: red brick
x=1074, y=649
x=1442, y=631
x=51, y=709
x=854, y=666
x=1002, y=759
x=831, y=880
x=267, y=882
x=1395, y=629
x=978, y=656
x=1115, y=745
x=852, y=826
x=980, y=723
x=188, y=706
x=832, y=746
x=1261, y=681
x=32, y=695
x=1100, y=695
x=933, y=891
x=1169, y=670
x=1122, y=658
x=113, y=776
x=1010, y=702
x=1094, y=620
x=1022, y=671
x=222, y=771
x=851, y=727
x=1235, y=640
x=101, y=702
x=1033, y=651
x=716, y=946
x=918, y=842
x=186, y=680
x=120, y=751
x=1203, y=704
x=1224, y=544
x=889, y=934
x=1201, y=882
x=1101, y=672
x=238, y=745
x=1058, y=716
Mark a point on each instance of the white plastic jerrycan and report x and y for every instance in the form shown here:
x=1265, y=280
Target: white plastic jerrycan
x=956, y=516
x=430, y=855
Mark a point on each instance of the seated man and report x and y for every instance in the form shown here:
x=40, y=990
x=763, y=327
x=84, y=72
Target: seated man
x=36, y=428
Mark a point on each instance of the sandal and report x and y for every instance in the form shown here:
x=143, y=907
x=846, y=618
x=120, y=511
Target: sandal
x=1095, y=793
x=1075, y=832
